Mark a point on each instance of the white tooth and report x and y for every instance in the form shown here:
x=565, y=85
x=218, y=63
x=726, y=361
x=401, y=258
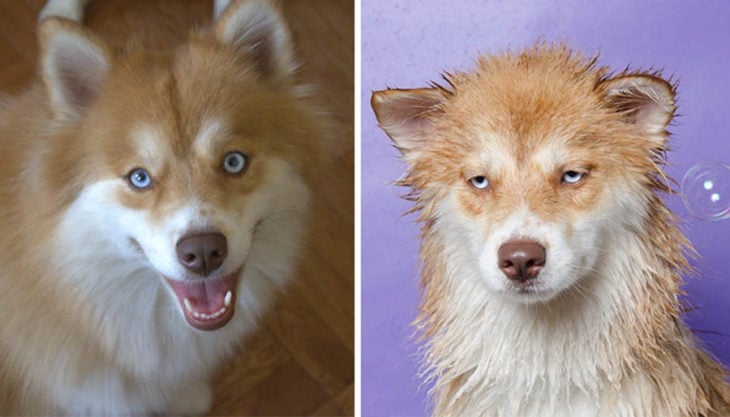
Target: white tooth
x=196, y=314
x=227, y=300
x=222, y=310
x=187, y=305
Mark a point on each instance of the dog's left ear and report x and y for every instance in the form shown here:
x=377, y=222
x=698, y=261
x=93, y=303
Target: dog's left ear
x=644, y=100
x=257, y=28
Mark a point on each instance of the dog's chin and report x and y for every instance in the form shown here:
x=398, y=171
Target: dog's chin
x=529, y=293
x=207, y=304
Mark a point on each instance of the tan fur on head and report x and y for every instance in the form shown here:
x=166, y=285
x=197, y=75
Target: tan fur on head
x=89, y=324
x=569, y=156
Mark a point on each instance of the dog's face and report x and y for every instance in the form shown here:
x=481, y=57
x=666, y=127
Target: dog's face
x=525, y=168
x=185, y=157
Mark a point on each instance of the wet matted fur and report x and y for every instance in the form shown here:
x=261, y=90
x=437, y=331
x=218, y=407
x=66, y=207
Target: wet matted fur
x=546, y=146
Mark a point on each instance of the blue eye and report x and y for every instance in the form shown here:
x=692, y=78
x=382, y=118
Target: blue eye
x=139, y=178
x=479, y=182
x=572, y=177
x=234, y=162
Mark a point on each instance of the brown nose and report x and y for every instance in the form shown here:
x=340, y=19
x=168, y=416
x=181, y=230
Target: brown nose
x=202, y=254
x=521, y=260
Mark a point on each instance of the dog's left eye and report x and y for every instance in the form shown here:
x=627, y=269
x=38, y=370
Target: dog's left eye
x=572, y=177
x=234, y=162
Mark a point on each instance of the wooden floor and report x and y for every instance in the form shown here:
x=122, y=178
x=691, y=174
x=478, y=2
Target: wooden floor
x=301, y=362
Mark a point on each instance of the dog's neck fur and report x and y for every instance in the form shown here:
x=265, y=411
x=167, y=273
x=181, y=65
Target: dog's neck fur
x=609, y=347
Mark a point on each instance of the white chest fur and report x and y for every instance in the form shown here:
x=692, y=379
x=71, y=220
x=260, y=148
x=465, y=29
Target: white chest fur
x=145, y=356
x=572, y=357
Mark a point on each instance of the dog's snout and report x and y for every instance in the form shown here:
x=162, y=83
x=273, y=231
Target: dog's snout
x=521, y=260
x=202, y=253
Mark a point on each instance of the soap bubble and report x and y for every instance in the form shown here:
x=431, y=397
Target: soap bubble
x=706, y=191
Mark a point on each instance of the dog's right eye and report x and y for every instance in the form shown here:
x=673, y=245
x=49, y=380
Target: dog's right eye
x=479, y=182
x=572, y=177
x=234, y=162
x=139, y=178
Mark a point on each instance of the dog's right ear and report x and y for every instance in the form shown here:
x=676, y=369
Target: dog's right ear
x=74, y=65
x=407, y=115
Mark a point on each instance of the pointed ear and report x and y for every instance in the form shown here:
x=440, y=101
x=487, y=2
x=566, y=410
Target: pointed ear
x=218, y=7
x=257, y=29
x=74, y=65
x=645, y=100
x=406, y=115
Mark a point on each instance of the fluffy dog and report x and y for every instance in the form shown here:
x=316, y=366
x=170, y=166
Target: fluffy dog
x=154, y=187
x=550, y=265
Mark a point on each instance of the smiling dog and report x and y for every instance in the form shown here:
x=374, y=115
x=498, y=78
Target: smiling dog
x=154, y=193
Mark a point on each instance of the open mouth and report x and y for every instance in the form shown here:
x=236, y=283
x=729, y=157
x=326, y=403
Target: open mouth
x=208, y=304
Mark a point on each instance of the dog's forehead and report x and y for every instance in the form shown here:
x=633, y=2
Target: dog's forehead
x=551, y=154
x=526, y=133
x=504, y=152
x=183, y=85
x=210, y=131
x=151, y=143
x=527, y=118
x=211, y=77
x=529, y=99
x=157, y=145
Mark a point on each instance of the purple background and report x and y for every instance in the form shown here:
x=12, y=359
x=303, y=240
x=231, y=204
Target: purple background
x=408, y=43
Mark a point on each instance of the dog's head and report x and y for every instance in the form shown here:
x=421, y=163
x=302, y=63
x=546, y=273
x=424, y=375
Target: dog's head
x=525, y=167
x=184, y=158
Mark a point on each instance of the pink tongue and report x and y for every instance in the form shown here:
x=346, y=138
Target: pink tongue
x=205, y=296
